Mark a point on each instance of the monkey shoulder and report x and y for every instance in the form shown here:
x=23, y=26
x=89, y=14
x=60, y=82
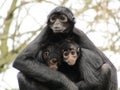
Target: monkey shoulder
x=90, y=59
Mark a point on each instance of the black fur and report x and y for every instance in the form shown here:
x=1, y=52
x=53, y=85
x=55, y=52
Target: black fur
x=90, y=65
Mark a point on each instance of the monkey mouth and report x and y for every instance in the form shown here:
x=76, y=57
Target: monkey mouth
x=69, y=62
x=58, y=31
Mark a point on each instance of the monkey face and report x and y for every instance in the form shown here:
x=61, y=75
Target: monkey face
x=70, y=56
x=61, y=20
x=51, y=56
x=58, y=23
x=50, y=61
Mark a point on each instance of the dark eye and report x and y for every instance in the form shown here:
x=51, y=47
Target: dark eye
x=45, y=54
x=53, y=18
x=63, y=18
x=73, y=52
x=65, y=53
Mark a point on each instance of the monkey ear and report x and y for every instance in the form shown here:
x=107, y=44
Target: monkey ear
x=63, y=50
x=45, y=54
x=78, y=50
x=74, y=20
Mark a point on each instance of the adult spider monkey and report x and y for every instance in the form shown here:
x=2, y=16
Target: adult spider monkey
x=60, y=26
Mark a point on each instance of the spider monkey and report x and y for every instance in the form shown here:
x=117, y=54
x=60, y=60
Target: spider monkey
x=93, y=70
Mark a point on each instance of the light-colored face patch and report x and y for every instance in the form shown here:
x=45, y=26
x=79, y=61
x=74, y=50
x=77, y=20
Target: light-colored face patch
x=58, y=23
x=70, y=56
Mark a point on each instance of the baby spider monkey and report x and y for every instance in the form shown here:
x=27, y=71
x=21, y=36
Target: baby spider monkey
x=54, y=54
x=51, y=56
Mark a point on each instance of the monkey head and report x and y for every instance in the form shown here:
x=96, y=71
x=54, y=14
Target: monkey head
x=61, y=20
x=52, y=57
x=71, y=52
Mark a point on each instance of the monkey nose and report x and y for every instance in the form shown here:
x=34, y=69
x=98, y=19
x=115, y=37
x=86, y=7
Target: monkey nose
x=54, y=60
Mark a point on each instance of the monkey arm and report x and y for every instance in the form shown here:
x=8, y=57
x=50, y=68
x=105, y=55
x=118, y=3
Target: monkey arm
x=26, y=62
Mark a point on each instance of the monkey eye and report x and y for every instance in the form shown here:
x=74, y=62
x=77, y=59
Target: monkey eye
x=63, y=18
x=45, y=54
x=78, y=49
x=65, y=53
x=53, y=18
x=73, y=52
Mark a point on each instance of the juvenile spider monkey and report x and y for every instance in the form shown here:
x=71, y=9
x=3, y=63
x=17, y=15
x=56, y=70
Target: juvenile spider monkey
x=71, y=51
x=68, y=52
x=51, y=56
